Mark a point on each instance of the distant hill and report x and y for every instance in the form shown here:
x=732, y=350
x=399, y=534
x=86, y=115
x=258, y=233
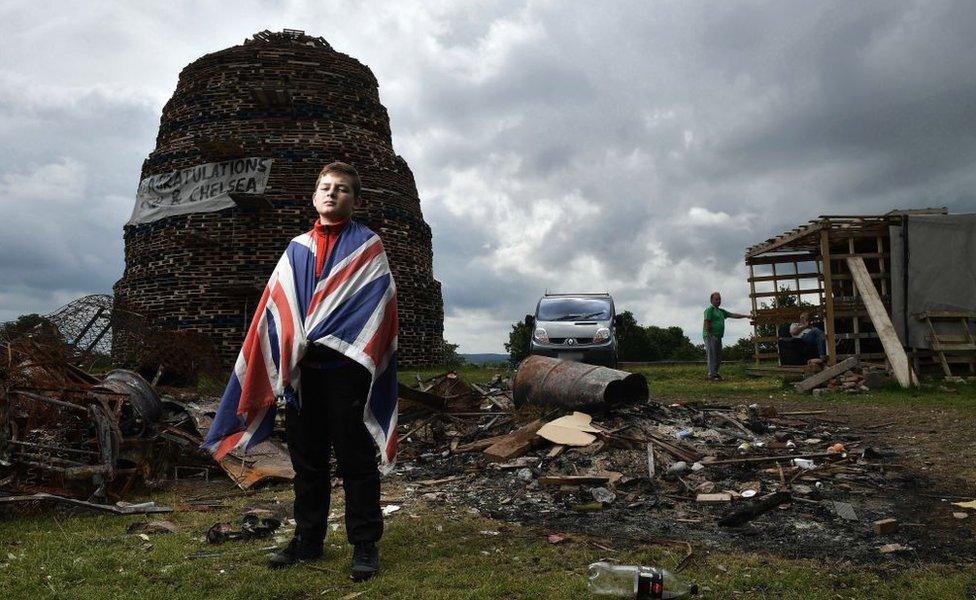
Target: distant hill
x=480, y=359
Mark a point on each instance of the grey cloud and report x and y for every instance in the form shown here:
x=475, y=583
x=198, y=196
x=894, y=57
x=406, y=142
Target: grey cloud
x=769, y=112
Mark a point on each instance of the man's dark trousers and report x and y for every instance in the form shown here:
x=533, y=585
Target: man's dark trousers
x=332, y=415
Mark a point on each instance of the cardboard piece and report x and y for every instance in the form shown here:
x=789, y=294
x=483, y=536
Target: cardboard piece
x=571, y=430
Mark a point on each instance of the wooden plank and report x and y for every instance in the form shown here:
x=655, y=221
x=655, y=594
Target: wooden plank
x=426, y=399
x=861, y=255
x=823, y=376
x=856, y=336
x=516, y=443
x=787, y=293
x=828, y=296
x=780, y=258
x=786, y=238
x=479, y=445
x=882, y=323
x=755, y=326
x=779, y=277
x=855, y=321
x=951, y=347
x=761, y=459
x=573, y=480
x=945, y=314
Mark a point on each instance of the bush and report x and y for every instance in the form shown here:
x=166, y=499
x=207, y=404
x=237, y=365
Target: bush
x=518, y=342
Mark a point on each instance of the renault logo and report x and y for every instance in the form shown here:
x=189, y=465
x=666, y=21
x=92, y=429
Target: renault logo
x=571, y=342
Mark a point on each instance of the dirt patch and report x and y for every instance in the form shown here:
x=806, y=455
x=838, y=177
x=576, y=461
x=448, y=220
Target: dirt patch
x=893, y=470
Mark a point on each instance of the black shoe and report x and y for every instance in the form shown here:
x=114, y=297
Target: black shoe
x=295, y=552
x=365, y=561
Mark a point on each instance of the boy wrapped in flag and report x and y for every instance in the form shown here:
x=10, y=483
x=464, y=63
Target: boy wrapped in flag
x=323, y=339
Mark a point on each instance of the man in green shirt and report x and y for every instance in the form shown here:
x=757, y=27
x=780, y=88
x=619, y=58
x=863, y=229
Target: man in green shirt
x=712, y=332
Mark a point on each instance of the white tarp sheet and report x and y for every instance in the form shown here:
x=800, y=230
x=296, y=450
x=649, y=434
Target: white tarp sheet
x=202, y=188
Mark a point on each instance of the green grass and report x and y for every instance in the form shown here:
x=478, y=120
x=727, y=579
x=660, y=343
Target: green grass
x=426, y=552
x=688, y=382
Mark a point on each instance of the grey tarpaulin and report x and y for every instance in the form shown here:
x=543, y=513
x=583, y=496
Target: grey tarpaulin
x=941, y=271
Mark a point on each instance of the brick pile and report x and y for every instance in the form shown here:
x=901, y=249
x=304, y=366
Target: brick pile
x=293, y=98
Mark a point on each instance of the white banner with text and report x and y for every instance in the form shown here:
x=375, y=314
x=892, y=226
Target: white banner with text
x=202, y=188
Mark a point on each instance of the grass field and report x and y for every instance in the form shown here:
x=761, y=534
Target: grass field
x=448, y=552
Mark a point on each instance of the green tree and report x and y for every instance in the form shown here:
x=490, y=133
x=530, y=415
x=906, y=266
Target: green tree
x=741, y=350
x=449, y=355
x=638, y=343
x=30, y=324
x=670, y=343
x=632, y=343
x=518, y=342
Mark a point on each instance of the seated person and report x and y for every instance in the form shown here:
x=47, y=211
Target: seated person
x=812, y=336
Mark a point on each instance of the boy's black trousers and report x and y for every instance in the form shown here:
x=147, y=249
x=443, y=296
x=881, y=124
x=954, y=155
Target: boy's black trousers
x=331, y=417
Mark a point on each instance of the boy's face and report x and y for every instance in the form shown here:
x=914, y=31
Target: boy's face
x=716, y=300
x=334, y=199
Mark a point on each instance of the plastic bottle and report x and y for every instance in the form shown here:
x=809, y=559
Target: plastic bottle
x=630, y=581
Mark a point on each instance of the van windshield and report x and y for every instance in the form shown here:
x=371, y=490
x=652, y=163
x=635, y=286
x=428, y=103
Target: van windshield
x=574, y=309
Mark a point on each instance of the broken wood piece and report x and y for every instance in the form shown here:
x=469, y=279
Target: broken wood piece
x=421, y=397
x=121, y=508
x=516, y=443
x=885, y=526
x=650, y=460
x=729, y=420
x=417, y=428
x=675, y=448
x=882, y=323
x=573, y=479
x=479, y=445
x=555, y=451
x=755, y=508
x=827, y=374
x=571, y=430
x=758, y=459
x=719, y=497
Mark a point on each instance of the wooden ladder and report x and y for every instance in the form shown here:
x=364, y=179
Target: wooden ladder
x=952, y=343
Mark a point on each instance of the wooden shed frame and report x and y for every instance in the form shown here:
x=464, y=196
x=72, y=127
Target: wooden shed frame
x=809, y=264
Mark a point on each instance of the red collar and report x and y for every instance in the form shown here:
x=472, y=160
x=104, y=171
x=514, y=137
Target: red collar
x=320, y=229
x=325, y=237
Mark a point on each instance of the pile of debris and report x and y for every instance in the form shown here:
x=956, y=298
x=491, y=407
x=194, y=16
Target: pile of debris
x=68, y=435
x=848, y=376
x=639, y=468
x=65, y=432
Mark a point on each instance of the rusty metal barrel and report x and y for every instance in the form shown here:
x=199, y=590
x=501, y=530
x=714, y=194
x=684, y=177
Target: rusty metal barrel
x=143, y=407
x=549, y=381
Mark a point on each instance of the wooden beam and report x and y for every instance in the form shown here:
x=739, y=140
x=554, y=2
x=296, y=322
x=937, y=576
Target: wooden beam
x=786, y=238
x=829, y=373
x=778, y=277
x=882, y=323
x=786, y=293
x=755, y=326
x=781, y=258
x=828, y=296
x=516, y=443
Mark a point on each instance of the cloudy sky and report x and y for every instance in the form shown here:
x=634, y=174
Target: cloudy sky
x=637, y=147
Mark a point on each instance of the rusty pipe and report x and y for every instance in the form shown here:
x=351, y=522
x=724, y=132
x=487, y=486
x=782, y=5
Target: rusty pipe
x=549, y=381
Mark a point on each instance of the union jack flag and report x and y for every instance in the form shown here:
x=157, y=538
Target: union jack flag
x=350, y=307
